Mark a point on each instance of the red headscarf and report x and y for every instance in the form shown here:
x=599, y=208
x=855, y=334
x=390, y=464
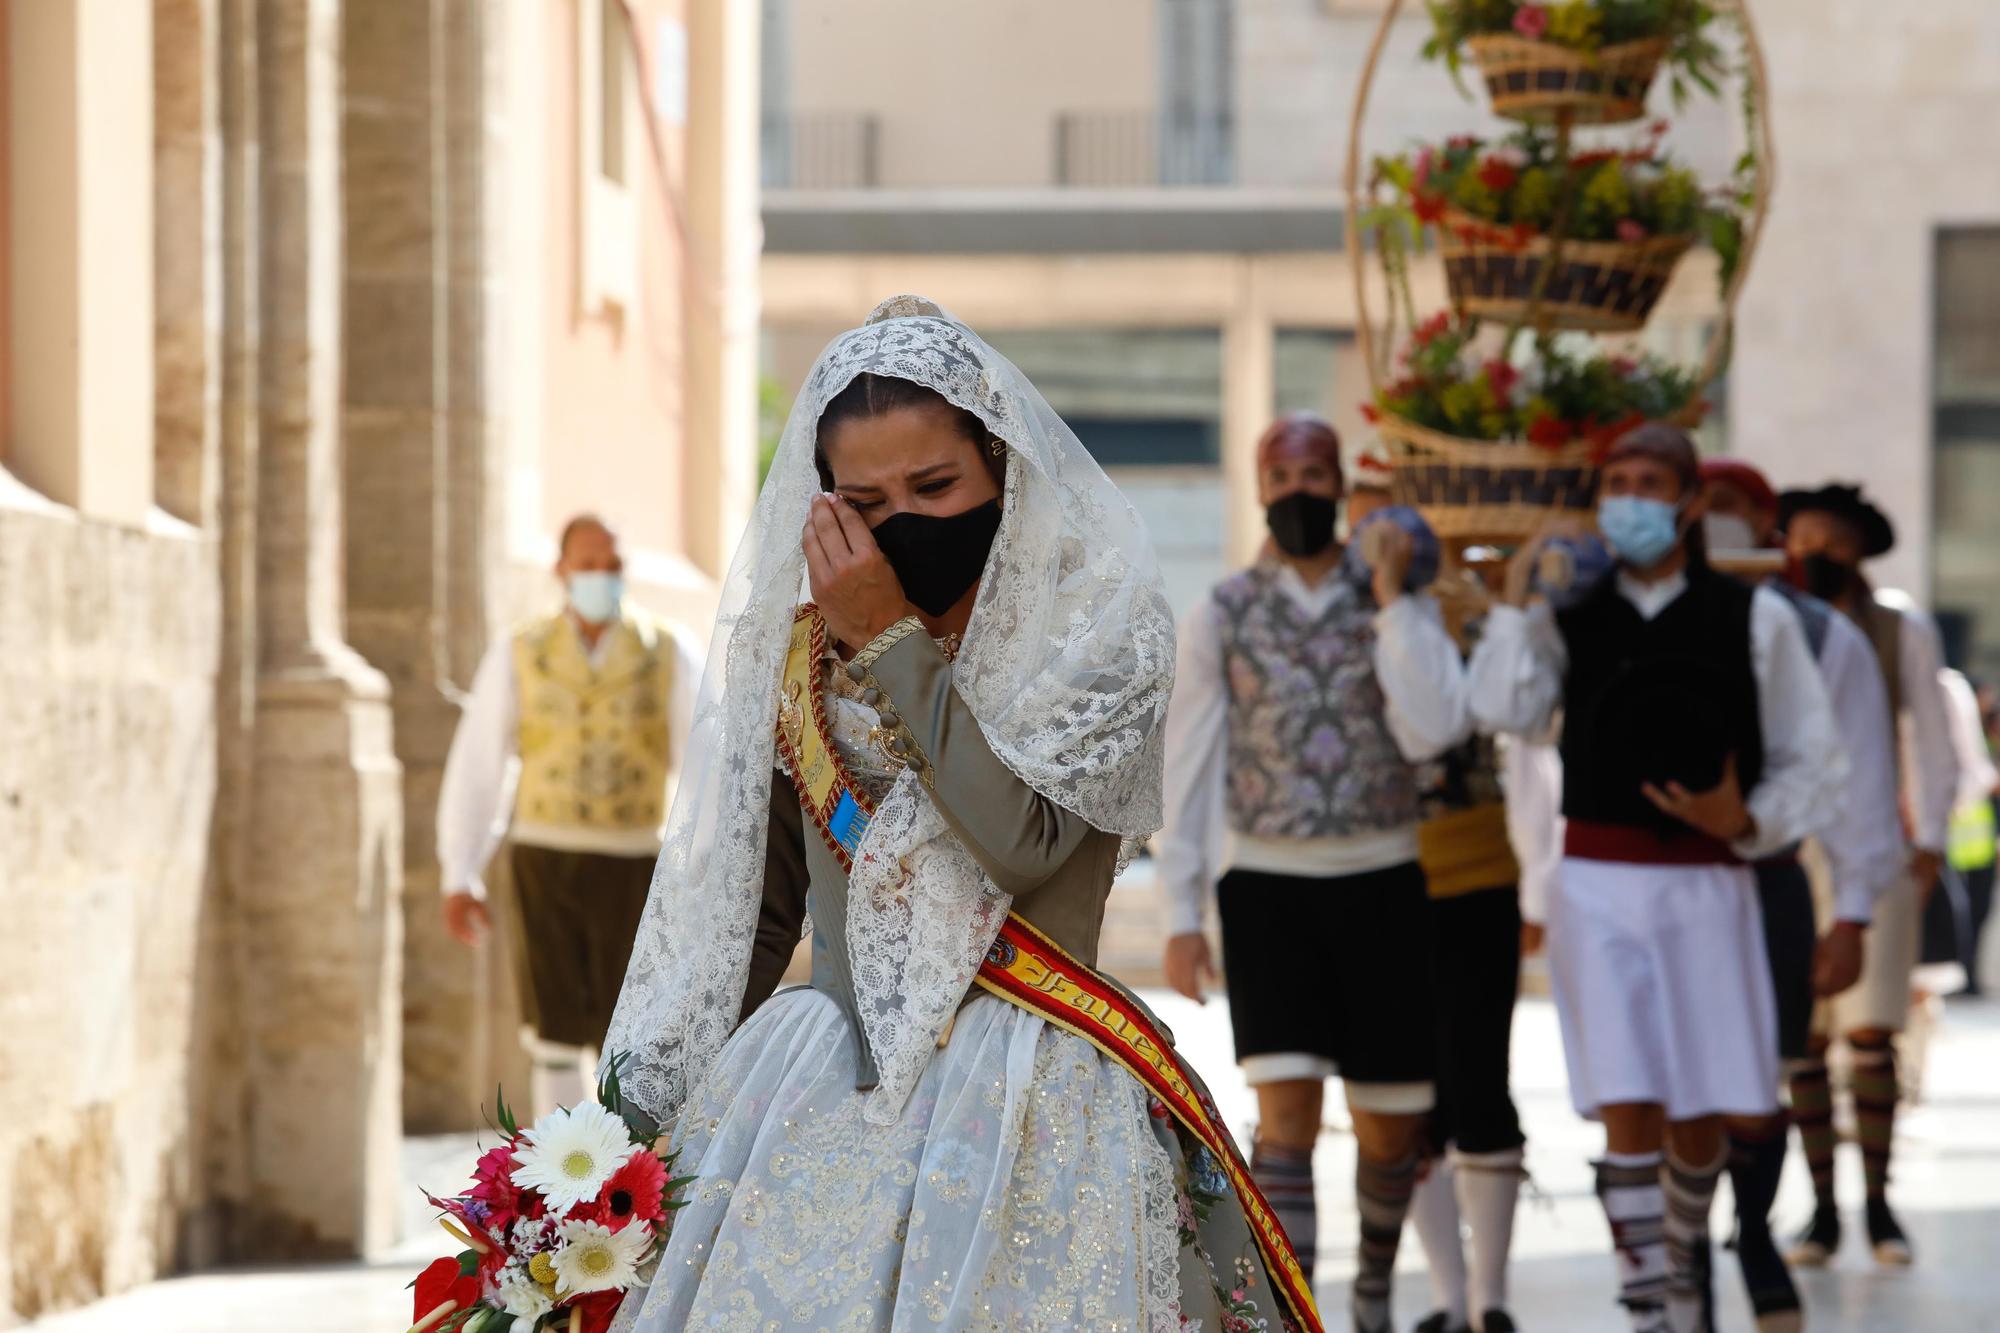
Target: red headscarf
x=1297, y=436
x=1756, y=487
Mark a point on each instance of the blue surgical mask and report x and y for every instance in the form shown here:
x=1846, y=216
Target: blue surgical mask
x=1640, y=530
x=594, y=595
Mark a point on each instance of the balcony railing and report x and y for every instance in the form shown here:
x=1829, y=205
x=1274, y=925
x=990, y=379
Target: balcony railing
x=823, y=150
x=1142, y=148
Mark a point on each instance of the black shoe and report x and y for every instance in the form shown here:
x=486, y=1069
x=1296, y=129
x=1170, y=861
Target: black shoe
x=1764, y=1274
x=1497, y=1321
x=1885, y=1236
x=1439, y=1322
x=1817, y=1244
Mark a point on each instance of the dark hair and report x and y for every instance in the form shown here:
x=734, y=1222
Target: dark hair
x=575, y=525
x=869, y=396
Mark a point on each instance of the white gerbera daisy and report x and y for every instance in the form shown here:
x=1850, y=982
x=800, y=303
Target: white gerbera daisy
x=592, y=1257
x=569, y=1154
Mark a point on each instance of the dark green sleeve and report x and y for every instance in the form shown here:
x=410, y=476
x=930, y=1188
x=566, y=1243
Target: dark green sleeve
x=783, y=910
x=1018, y=836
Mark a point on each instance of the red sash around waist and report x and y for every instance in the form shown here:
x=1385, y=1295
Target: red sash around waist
x=1588, y=840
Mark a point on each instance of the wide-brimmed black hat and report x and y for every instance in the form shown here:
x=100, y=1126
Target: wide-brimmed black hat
x=1878, y=534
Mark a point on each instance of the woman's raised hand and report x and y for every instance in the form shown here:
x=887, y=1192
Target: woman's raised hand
x=856, y=591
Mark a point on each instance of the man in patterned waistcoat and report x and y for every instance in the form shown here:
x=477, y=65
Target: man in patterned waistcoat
x=1301, y=707
x=584, y=710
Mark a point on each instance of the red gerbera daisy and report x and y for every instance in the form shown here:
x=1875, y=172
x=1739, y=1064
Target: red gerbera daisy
x=635, y=1189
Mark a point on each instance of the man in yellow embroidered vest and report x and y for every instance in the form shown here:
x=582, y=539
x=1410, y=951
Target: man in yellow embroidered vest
x=585, y=709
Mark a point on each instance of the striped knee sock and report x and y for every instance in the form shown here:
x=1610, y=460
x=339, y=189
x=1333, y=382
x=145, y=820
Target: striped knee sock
x=1382, y=1192
x=1286, y=1177
x=1875, y=1108
x=1690, y=1191
x=1812, y=1112
x=1628, y=1184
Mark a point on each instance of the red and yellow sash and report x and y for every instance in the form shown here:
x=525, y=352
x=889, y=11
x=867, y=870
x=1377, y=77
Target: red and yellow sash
x=1028, y=969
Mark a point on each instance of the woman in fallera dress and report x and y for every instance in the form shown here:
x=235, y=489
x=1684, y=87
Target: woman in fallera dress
x=931, y=725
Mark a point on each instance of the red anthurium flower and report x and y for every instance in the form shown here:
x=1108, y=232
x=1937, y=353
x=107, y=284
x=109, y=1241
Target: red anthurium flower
x=634, y=1190
x=442, y=1282
x=593, y=1313
x=1498, y=174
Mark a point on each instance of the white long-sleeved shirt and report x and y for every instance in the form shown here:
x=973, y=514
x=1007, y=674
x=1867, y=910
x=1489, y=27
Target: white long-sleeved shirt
x=1976, y=775
x=476, y=797
x=1930, y=760
x=1515, y=681
x=1531, y=777
x=1864, y=842
x=1422, y=679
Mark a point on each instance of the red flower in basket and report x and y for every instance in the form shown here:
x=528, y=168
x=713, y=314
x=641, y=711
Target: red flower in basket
x=1531, y=21
x=1371, y=413
x=1432, y=329
x=635, y=1189
x=1498, y=174
x=1549, y=433
x=443, y=1290
x=1428, y=207
x=1631, y=229
x=1502, y=376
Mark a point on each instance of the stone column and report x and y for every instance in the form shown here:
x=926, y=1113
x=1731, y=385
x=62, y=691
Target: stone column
x=1249, y=396
x=320, y=916
x=723, y=133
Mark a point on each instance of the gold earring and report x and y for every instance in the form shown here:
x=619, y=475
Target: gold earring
x=998, y=446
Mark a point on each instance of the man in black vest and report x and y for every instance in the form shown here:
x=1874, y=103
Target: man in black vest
x=1696, y=737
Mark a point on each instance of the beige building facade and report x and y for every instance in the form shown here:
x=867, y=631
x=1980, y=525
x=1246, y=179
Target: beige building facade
x=1189, y=180
x=316, y=318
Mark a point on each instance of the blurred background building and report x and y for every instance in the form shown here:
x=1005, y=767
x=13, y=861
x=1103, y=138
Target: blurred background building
x=320, y=316
x=317, y=317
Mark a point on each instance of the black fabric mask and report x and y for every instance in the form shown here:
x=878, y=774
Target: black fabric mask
x=1301, y=524
x=937, y=559
x=1824, y=577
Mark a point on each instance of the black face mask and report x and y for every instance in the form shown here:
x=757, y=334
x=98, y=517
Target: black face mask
x=1301, y=524
x=1824, y=577
x=937, y=559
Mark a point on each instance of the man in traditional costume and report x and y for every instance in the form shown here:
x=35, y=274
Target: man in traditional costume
x=1303, y=704
x=1829, y=533
x=584, y=712
x=1860, y=853
x=1696, y=737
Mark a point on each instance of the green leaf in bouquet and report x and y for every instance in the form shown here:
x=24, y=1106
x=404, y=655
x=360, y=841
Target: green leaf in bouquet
x=504, y=1113
x=468, y=1262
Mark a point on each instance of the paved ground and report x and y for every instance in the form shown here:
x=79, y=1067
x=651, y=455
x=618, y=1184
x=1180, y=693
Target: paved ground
x=1948, y=1185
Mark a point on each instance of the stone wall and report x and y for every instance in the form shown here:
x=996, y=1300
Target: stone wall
x=108, y=641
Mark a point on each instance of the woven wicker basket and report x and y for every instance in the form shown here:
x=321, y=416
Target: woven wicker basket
x=1535, y=81
x=1597, y=286
x=1487, y=490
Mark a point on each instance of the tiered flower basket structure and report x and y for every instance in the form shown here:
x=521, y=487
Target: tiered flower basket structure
x=1501, y=482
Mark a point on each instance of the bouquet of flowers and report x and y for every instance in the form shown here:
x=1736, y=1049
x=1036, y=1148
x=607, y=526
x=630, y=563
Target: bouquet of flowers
x=1587, y=26
x=561, y=1220
x=1561, y=399
x=1511, y=193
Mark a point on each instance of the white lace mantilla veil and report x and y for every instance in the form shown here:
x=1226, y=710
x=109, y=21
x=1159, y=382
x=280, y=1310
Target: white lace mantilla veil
x=1067, y=664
